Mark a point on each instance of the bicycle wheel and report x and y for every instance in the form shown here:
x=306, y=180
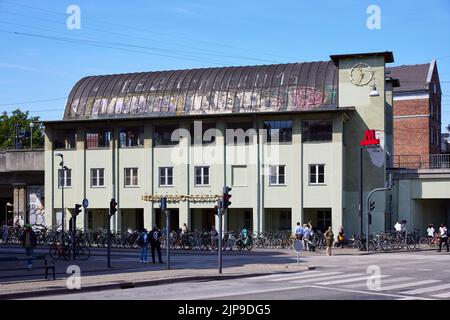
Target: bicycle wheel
x=83, y=253
x=54, y=253
x=423, y=243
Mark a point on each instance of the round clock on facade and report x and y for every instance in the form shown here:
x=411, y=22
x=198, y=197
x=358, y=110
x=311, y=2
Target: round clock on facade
x=361, y=74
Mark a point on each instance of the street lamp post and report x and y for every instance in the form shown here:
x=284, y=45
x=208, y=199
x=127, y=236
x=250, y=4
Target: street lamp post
x=62, y=181
x=31, y=134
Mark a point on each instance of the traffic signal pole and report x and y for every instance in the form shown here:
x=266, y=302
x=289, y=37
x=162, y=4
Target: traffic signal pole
x=112, y=211
x=220, y=214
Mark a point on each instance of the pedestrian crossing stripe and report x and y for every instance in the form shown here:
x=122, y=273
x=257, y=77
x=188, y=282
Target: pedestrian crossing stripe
x=305, y=276
x=284, y=275
x=385, y=281
x=407, y=285
x=428, y=289
x=337, y=276
x=352, y=280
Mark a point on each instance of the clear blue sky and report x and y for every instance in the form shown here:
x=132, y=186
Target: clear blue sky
x=144, y=35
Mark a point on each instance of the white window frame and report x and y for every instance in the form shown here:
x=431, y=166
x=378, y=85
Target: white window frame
x=134, y=172
x=202, y=175
x=165, y=177
x=316, y=174
x=67, y=177
x=277, y=175
x=97, y=177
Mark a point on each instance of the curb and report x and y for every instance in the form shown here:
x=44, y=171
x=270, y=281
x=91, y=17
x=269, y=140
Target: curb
x=128, y=285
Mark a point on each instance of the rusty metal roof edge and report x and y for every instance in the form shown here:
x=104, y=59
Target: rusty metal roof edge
x=170, y=115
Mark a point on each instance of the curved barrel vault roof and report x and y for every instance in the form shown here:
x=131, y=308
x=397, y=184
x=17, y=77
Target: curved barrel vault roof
x=266, y=88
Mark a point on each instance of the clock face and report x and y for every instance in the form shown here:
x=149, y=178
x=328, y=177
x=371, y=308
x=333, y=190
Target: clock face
x=361, y=74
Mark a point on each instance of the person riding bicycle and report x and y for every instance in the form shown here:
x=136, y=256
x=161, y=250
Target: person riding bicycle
x=244, y=235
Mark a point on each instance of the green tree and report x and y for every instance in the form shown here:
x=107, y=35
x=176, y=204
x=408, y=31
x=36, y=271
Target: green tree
x=22, y=120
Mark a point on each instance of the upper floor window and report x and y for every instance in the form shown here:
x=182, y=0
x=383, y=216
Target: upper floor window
x=131, y=137
x=98, y=138
x=277, y=175
x=64, y=178
x=131, y=177
x=240, y=133
x=316, y=174
x=163, y=136
x=284, y=129
x=165, y=176
x=65, y=139
x=201, y=176
x=432, y=108
x=317, y=130
x=97, y=177
x=200, y=137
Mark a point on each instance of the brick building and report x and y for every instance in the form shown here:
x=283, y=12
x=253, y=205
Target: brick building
x=417, y=110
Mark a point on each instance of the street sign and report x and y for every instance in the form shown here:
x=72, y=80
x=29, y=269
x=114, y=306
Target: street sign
x=85, y=203
x=369, y=139
x=298, y=247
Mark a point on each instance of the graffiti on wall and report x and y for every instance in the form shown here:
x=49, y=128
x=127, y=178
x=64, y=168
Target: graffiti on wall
x=36, y=206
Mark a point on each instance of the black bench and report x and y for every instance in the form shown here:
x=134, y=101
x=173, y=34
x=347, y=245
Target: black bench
x=48, y=264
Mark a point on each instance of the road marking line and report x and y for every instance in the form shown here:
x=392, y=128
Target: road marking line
x=424, y=269
x=351, y=280
x=407, y=285
x=428, y=289
x=278, y=275
x=399, y=268
x=241, y=293
x=364, y=285
x=442, y=295
x=306, y=276
x=337, y=276
x=367, y=292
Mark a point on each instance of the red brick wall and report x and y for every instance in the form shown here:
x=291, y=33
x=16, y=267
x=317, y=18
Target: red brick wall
x=411, y=136
x=411, y=107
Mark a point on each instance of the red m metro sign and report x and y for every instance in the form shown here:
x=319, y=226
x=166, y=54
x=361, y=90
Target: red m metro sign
x=369, y=139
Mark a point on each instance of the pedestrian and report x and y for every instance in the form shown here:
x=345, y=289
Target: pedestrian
x=184, y=229
x=312, y=232
x=29, y=242
x=443, y=237
x=213, y=234
x=398, y=227
x=341, y=237
x=142, y=242
x=329, y=238
x=299, y=232
x=5, y=232
x=306, y=236
x=155, y=243
x=430, y=231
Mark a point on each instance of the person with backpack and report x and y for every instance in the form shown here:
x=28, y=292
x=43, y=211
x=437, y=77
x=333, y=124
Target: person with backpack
x=329, y=239
x=443, y=234
x=155, y=243
x=142, y=242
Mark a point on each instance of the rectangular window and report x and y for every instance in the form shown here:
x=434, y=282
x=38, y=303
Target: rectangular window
x=277, y=175
x=202, y=139
x=240, y=133
x=131, y=177
x=163, y=136
x=316, y=174
x=131, y=137
x=98, y=138
x=165, y=176
x=201, y=176
x=317, y=130
x=64, y=179
x=284, y=129
x=97, y=177
x=65, y=139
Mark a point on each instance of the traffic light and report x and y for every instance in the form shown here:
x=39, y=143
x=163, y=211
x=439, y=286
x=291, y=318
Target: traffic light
x=370, y=218
x=163, y=204
x=372, y=205
x=226, y=197
x=77, y=209
x=112, y=207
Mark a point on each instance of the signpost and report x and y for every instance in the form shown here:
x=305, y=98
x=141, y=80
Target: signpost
x=298, y=247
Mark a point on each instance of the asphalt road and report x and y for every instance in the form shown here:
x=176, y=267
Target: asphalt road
x=403, y=276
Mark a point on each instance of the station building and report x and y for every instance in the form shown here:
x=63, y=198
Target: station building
x=285, y=138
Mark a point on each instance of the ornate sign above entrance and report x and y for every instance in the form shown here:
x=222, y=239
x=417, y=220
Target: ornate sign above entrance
x=178, y=198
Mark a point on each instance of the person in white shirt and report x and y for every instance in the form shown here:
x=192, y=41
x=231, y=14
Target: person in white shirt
x=443, y=237
x=398, y=227
x=430, y=231
x=299, y=231
x=306, y=236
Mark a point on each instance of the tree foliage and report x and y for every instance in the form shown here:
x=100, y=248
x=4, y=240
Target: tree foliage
x=22, y=120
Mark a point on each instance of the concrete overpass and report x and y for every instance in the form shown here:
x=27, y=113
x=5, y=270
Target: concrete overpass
x=21, y=178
